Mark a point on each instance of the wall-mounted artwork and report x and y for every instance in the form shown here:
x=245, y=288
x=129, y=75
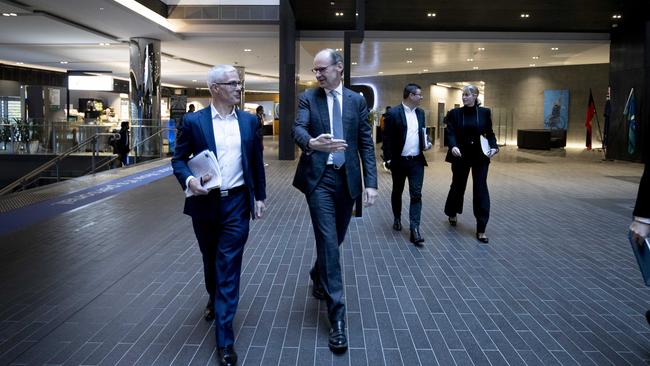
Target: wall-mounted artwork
x=556, y=109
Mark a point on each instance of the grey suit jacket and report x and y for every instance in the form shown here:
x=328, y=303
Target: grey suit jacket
x=312, y=119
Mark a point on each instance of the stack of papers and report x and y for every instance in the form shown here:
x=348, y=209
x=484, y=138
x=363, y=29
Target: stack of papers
x=204, y=163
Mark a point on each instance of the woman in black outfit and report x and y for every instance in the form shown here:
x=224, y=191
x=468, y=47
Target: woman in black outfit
x=465, y=125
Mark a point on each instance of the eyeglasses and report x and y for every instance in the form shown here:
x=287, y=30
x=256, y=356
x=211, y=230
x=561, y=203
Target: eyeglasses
x=233, y=84
x=321, y=70
x=417, y=95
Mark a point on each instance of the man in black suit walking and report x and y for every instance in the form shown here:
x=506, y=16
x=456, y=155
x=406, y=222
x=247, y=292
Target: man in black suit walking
x=333, y=132
x=404, y=142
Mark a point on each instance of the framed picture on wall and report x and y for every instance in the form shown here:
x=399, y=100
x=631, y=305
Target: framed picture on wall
x=556, y=109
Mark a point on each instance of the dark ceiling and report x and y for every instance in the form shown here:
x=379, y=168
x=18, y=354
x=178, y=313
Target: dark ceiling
x=472, y=15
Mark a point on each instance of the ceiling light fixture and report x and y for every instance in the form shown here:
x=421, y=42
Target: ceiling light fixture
x=524, y=15
x=535, y=57
x=531, y=65
x=194, y=81
x=247, y=50
x=339, y=50
x=481, y=48
x=381, y=72
x=470, y=60
x=9, y=14
x=409, y=48
x=63, y=62
x=475, y=67
x=338, y=14
x=409, y=61
x=431, y=15
x=20, y=63
x=444, y=85
x=354, y=63
x=616, y=16
x=554, y=48
x=142, y=10
x=425, y=70
x=332, y=3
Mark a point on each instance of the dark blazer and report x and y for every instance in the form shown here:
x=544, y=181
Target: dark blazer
x=456, y=132
x=312, y=119
x=195, y=135
x=395, y=128
x=642, y=207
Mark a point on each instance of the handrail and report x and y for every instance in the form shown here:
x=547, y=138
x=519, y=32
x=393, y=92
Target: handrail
x=25, y=180
x=162, y=129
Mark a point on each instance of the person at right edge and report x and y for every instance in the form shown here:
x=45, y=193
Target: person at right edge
x=465, y=126
x=333, y=133
x=640, y=226
x=404, y=144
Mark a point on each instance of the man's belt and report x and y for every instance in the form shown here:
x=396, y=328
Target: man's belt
x=232, y=191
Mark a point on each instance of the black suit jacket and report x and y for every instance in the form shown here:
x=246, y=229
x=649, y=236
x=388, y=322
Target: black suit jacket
x=395, y=128
x=312, y=119
x=195, y=135
x=457, y=133
x=642, y=207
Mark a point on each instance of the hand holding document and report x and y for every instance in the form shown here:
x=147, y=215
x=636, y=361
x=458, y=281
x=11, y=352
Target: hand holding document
x=205, y=163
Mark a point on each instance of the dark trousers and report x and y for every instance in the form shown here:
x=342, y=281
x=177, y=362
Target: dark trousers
x=412, y=169
x=480, y=196
x=330, y=206
x=222, y=244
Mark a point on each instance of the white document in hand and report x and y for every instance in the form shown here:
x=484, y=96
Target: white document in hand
x=204, y=163
x=485, y=146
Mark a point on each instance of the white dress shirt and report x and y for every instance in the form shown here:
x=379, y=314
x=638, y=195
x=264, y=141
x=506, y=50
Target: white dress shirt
x=330, y=107
x=412, y=142
x=227, y=139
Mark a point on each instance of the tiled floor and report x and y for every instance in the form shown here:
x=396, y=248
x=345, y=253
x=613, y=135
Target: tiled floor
x=119, y=281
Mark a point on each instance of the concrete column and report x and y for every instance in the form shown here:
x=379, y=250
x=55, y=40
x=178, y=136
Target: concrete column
x=144, y=95
x=288, y=75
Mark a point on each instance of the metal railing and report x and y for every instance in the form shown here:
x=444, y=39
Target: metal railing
x=25, y=181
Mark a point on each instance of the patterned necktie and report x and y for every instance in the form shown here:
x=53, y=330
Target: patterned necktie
x=338, y=158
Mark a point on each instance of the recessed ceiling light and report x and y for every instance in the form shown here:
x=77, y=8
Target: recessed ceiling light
x=409, y=48
x=431, y=15
x=425, y=70
x=13, y=14
x=470, y=60
x=616, y=16
x=531, y=65
x=354, y=63
x=409, y=61
x=247, y=50
x=63, y=62
x=101, y=8
x=554, y=48
x=339, y=14
x=356, y=14
x=20, y=63
x=524, y=15
x=6, y=14
x=338, y=49
x=475, y=67
x=194, y=81
x=381, y=72
x=104, y=44
x=535, y=57
x=481, y=48
x=332, y=3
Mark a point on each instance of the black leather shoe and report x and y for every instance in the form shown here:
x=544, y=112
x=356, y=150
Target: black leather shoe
x=317, y=289
x=397, y=225
x=338, y=342
x=482, y=238
x=227, y=356
x=416, y=238
x=453, y=220
x=647, y=316
x=208, y=314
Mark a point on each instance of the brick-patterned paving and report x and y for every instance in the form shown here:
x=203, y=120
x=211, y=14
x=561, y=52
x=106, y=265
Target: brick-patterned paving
x=119, y=281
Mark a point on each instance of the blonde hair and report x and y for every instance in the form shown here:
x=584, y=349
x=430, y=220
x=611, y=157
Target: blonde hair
x=473, y=89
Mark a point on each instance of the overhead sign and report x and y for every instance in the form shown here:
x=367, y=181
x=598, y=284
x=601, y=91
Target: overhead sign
x=90, y=82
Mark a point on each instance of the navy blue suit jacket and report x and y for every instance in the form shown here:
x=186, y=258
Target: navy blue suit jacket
x=312, y=119
x=195, y=135
x=395, y=128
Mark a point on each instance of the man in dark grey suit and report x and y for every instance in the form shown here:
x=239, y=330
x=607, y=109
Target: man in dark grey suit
x=333, y=132
x=404, y=144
